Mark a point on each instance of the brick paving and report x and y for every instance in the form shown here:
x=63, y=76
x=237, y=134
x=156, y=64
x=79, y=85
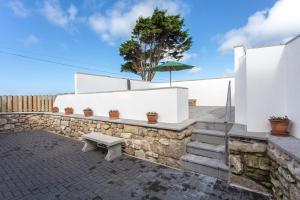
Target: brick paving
x=42, y=165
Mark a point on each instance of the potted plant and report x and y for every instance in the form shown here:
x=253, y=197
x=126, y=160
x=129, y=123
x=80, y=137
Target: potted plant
x=152, y=117
x=114, y=114
x=68, y=111
x=55, y=109
x=279, y=125
x=88, y=112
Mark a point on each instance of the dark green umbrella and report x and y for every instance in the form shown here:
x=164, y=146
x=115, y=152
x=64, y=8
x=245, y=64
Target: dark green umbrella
x=171, y=66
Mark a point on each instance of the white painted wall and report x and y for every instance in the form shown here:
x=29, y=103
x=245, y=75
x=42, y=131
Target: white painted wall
x=240, y=85
x=271, y=80
x=293, y=85
x=265, y=80
x=208, y=92
x=170, y=103
x=87, y=83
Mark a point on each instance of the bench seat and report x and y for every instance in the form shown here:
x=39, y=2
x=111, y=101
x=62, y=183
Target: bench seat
x=113, y=144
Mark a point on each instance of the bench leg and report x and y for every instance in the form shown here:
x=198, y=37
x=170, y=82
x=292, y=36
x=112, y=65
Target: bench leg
x=113, y=152
x=89, y=146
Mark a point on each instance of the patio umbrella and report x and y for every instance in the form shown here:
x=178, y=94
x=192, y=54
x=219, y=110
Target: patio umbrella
x=171, y=66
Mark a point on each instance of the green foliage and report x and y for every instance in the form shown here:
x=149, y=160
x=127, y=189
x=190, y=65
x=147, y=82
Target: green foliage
x=275, y=118
x=153, y=39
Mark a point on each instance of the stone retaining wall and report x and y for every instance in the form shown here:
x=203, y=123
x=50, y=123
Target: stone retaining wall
x=154, y=144
x=262, y=166
x=285, y=174
x=249, y=164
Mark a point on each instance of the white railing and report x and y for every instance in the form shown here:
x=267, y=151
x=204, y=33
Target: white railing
x=227, y=121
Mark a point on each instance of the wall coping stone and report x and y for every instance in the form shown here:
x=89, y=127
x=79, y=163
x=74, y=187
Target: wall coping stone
x=250, y=135
x=289, y=145
x=160, y=125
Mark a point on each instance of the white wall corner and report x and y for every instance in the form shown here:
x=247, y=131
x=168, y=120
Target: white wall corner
x=239, y=52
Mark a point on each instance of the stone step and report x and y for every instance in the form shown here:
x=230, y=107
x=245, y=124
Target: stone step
x=205, y=149
x=208, y=136
x=204, y=165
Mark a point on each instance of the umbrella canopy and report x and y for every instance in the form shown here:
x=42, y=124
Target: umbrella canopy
x=171, y=66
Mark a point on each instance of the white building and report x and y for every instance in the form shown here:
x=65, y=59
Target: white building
x=266, y=83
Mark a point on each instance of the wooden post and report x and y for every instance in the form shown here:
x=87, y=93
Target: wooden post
x=34, y=103
x=15, y=104
x=38, y=103
x=3, y=102
x=25, y=104
x=20, y=103
x=9, y=104
x=30, y=104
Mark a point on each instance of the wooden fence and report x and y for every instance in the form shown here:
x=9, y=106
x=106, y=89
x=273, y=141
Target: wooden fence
x=26, y=103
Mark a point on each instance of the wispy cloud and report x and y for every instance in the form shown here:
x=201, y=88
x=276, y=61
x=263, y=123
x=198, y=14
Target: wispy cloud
x=276, y=24
x=30, y=40
x=57, y=16
x=195, y=70
x=229, y=71
x=188, y=56
x=18, y=8
x=117, y=22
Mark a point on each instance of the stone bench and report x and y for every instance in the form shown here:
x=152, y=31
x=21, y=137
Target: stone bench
x=113, y=144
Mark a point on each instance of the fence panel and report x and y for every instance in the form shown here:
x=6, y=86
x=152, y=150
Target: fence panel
x=41, y=103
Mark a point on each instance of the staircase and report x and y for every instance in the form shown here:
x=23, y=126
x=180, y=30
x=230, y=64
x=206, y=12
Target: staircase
x=206, y=151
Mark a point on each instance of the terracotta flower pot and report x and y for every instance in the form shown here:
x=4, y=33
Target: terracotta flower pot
x=68, y=111
x=279, y=127
x=88, y=113
x=114, y=114
x=152, y=117
x=55, y=109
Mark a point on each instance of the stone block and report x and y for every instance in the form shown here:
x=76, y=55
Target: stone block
x=257, y=162
x=140, y=154
x=294, y=193
x=3, y=121
x=294, y=169
x=126, y=135
x=236, y=164
x=131, y=129
x=164, y=141
x=286, y=174
x=247, y=146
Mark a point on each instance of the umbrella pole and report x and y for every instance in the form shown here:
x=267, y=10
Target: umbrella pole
x=170, y=77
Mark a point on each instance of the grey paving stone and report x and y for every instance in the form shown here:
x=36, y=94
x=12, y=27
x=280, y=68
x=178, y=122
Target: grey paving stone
x=42, y=165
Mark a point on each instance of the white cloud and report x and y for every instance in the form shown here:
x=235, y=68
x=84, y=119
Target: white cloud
x=188, y=56
x=18, y=8
x=195, y=70
x=117, y=22
x=30, y=40
x=229, y=72
x=276, y=24
x=56, y=15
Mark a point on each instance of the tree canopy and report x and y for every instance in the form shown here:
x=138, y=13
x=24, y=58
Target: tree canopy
x=154, y=38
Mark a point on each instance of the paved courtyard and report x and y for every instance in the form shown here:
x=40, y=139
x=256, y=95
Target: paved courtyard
x=42, y=165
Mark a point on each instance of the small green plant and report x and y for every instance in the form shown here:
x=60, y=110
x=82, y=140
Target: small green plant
x=274, y=118
x=151, y=113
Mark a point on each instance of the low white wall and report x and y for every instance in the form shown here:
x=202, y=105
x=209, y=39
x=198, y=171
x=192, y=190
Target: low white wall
x=208, y=92
x=87, y=83
x=170, y=103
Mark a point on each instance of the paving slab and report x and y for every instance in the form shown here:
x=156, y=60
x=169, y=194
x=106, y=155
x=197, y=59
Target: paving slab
x=42, y=165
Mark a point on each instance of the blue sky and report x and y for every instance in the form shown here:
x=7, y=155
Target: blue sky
x=86, y=36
